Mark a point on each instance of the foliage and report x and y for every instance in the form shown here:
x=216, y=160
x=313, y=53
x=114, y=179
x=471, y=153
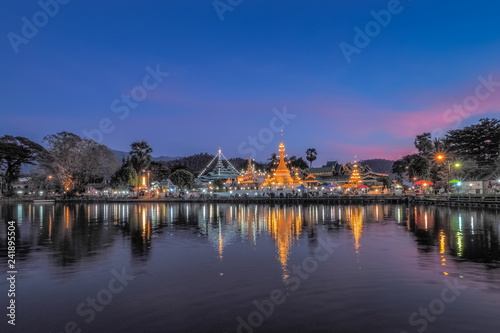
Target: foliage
x=414, y=165
x=384, y=180
x=182, y=178
x=125, y=176
x=423, y=143
x=159, y=170
x=76, y=162
x=219, y=183
x=311, y=155
x=140, y=155
x=273, y=162
x=14, y=152
x=298, y=163
x=479, y=143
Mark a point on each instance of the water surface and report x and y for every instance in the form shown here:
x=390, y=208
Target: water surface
x=189, y=267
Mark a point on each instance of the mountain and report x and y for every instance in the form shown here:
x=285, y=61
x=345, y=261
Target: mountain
x=379, y=165
x=122, y=154
x=166, y=158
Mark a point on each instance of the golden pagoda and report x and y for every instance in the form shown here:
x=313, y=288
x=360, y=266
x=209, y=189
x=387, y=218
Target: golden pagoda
x=281, y=175
x=355, y=177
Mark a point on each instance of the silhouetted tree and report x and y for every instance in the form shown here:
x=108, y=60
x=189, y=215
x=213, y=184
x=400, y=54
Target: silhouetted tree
x=311, y=155
x=140, y=155
x=16, y=151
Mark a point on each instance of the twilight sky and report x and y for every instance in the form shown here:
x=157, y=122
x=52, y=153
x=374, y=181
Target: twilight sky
x=326, y=72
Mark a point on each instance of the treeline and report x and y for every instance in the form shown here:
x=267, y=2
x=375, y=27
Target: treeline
x=471, y=153
x=66, y=162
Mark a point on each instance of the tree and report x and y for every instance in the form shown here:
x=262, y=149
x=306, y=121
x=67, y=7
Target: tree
x=159, y=170
x=479, y=143
x=140, y=155
x=414, y=165
x=182, y=178
x=273, y=162
x=15, y=152
x=423, y=143
x=219, y=183
x=125, y=176
x=76, y=162
x=298, y=163
x=311, y=154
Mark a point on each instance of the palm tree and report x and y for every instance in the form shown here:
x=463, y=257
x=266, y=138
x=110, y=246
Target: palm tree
x=140, y=155
x=273, y=161
x=311, y=154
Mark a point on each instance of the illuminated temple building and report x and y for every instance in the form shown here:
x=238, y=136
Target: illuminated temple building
x=223, y=170
x=281, y=177
x=251, y=177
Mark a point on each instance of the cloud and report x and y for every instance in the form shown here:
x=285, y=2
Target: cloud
x=363, y=152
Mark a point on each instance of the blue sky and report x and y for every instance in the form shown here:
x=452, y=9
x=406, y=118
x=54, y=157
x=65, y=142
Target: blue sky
x=227, y=76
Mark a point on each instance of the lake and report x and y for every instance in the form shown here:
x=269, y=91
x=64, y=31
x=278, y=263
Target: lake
x=201, y=267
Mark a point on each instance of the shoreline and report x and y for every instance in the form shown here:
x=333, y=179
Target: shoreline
x=485, y=201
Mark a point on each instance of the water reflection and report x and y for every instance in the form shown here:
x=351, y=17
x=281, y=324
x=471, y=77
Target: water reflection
x=80, y=231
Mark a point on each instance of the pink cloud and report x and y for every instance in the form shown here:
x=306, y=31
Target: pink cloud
x=363, y=152
x=448, y=114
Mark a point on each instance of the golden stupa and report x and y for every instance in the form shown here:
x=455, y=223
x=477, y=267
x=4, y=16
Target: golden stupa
x=281, y=175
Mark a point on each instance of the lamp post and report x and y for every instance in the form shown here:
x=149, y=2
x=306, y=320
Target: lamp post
x=441, y=158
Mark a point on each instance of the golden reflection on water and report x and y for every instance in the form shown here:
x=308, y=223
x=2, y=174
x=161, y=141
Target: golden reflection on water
x=85, y=228
x=356, y=224
x=284, y=225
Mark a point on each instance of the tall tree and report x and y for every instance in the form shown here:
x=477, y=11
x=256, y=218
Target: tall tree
x=140, y=155
x=479, y=143
x=14, y=152
x=423, y=143
x=76, y=162
x=311, y=155
x=273, y=162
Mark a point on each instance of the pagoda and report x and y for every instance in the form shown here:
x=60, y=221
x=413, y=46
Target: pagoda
x=281, y=177
x=355, y=178
x=249, y=178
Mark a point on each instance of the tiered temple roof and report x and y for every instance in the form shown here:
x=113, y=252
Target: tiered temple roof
x=281, y=177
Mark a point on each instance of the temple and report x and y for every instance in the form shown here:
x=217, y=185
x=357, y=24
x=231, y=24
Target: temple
x=281, y=177
x=220, y=171
x=355, y=178
x=250, y=178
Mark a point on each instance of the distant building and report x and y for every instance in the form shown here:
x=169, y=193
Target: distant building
x=331, y=168
x=334, y=172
